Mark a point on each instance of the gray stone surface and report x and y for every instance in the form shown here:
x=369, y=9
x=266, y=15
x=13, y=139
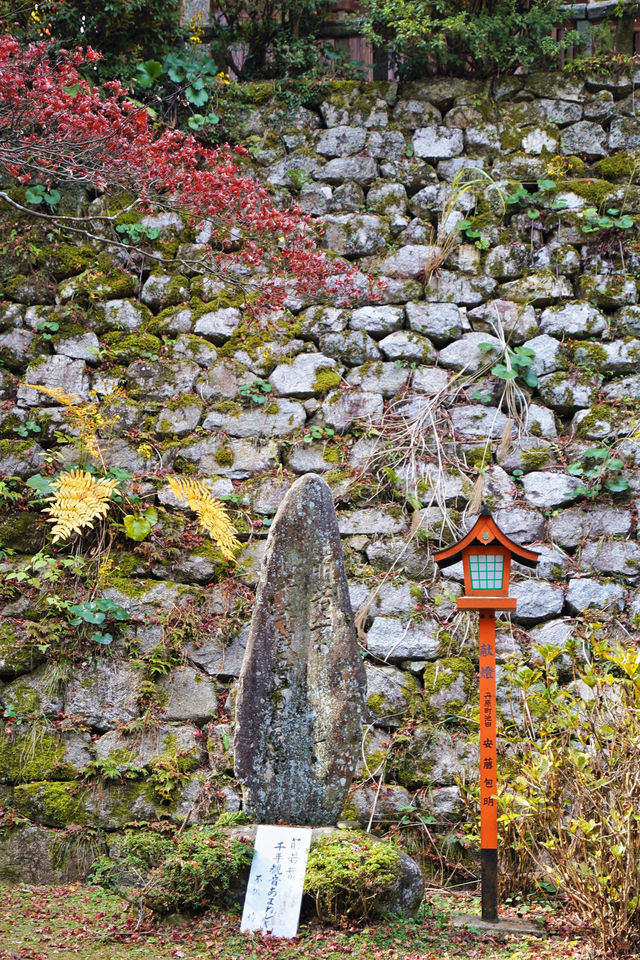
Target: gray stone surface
x=83, y=346
x=583, y=592
x=300, y=704
x=437, y=143
x=614, y=557
x=160, y=379
x=584, y=138
x=394, y=640
x=106, y=696
x=144, y=747
x=352, y=347
x=546, y=490
x=467, y=353
x=218, y=325
x=58, y=373
x=377, y=321
x=341, y=410
x=388, y=692
x=477, y=423
x=570, y=526
x=386, y=379
x=362, y=170
x=406, y=345
x=409, y=261
x=546, y=351
x=342, y=141
x=191, y=696
x=537, y=600
x=576, y=319
x=261, y=422
x=570, y=391
x=298, y=379
x=354, y=235
x=30, y=853
x=440, y=322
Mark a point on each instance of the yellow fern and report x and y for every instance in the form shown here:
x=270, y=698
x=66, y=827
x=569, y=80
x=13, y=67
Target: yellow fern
x=79, y=500
x=211, y=513
x=85, y=418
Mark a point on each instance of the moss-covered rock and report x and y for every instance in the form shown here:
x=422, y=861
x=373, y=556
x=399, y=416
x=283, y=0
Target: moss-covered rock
x=18, y=651
x=24, y=531
x=40, y=753
x=447, y=685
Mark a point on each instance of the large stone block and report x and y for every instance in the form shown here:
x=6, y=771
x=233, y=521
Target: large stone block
x=301, y=698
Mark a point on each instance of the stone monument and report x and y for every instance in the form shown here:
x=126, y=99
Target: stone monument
x=302, y=685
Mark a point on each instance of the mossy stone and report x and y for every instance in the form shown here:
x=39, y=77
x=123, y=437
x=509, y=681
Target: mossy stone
x=33, y=755
x=18, y=654
x=52, y=804
x=23, y=531
x=447, y=684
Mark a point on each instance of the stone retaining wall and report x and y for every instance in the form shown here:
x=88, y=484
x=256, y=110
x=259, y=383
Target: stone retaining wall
x=142, y=729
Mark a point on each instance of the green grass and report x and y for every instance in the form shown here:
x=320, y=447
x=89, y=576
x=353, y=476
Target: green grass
x=80, y=922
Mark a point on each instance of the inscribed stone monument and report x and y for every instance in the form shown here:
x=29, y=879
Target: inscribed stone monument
x=301, y=697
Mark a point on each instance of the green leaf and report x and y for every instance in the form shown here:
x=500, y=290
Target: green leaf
x=136, y=527
x=52, y=198
x=617, y=485
x=596, y=453
x=546, y=184
x=533, y=214
x=530, y=377
x=197, y=97
x=119, y=473
x=41, y=485
x=624, y=223
x=35, y=194
x=147, y=73
x=196, y=121
x=151, y=514
x=103, y=638
x=504, y=372
x=575, y=469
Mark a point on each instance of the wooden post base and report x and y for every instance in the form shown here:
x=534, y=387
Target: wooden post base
x=489, y=867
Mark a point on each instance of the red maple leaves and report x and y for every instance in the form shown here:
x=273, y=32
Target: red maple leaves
x=57, y=129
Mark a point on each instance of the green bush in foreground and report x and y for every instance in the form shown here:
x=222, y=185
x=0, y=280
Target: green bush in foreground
x=346, y=874
x=172, y=873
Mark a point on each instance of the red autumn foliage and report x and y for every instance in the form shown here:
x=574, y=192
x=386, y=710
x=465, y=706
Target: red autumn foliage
x=58, y=129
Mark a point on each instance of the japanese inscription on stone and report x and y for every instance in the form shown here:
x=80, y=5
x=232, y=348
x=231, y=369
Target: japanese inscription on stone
x=274, y=892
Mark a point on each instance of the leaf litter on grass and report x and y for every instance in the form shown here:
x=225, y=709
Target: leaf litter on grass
x=81, y=922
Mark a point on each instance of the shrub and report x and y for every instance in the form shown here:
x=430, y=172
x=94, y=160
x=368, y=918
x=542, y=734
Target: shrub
x=123, y=30
x=574, y=792
x=346, y=874
x=480, y=37
x=278, y=38
x=172, y=872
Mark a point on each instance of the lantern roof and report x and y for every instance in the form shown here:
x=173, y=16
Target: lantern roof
x=484, y=532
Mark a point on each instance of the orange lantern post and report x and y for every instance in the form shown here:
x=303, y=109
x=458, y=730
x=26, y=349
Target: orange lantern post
x=486, y=558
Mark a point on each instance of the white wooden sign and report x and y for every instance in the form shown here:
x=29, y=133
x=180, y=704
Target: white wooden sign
x=274, y=893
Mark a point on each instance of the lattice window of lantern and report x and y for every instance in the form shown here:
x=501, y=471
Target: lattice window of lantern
x=486, y=570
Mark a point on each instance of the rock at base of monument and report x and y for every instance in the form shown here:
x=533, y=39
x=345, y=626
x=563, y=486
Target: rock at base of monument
x=513, y=926
x=404, y=896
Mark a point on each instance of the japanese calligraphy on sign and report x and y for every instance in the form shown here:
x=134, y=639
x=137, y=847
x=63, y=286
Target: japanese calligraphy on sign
x=274, y=892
